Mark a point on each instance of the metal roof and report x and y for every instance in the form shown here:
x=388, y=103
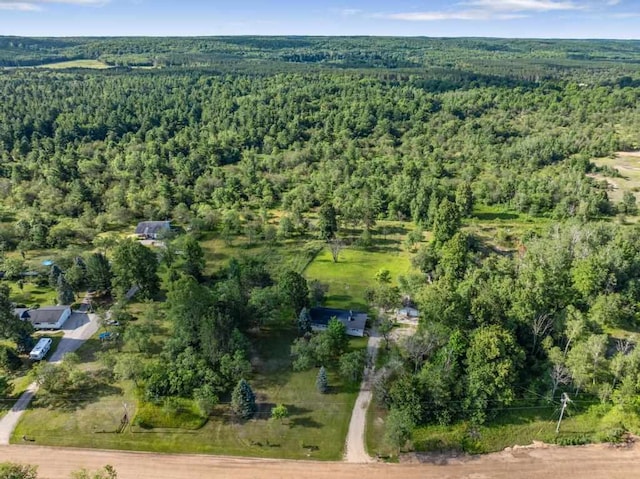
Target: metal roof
x=351, y=319
x=152, y=227
x=44, y=315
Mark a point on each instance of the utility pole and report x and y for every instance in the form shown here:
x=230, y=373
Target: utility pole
x=125, y=418
x=565, y=400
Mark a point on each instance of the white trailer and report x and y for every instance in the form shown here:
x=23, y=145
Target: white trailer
x=41, y=349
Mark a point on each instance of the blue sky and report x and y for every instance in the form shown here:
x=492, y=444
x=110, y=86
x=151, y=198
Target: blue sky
x=497, y=18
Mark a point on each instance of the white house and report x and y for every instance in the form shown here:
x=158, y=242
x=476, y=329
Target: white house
x=47, y=317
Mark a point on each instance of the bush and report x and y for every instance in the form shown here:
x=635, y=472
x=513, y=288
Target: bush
x=175, y=413
x=614, y=435
x=573, y=440
x=9, y=360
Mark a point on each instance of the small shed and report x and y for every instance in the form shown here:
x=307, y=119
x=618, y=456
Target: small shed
x=408, y=313
x=47, y=317
x=152, y=229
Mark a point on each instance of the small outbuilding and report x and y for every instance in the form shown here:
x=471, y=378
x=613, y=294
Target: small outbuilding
x=153, y=229
x=354, y=321
x=47, y=317
x=408, y=313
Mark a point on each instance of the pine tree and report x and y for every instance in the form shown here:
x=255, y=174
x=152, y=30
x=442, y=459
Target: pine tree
x=322, y=383
x=304, y=321
x=65, y=293
x=243, y=401
x=54, y=274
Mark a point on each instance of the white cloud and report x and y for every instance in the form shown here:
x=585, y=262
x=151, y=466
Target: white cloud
x=459, y=15
x=20, y=6
x=479, y=10
x=37, y=5
x=347, y=12
x=524, y=5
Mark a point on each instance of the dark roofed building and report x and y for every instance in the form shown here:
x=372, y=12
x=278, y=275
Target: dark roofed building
x=354, y=321
x=153, y=229
x=47, y=317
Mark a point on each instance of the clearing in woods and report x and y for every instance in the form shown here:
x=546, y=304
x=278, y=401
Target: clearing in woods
x=628, y=166
x=92, y=64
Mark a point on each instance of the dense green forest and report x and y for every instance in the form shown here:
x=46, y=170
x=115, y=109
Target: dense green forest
x=215, y=132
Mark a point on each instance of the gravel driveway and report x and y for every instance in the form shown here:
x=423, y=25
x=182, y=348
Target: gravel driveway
x=355, y=450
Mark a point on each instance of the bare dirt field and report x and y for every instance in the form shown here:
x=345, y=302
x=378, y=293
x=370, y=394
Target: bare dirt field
x=594, y=462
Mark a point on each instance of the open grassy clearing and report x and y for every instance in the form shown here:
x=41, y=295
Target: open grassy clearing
x=91, y=64
x=280, y=256
x=628, y=165
x=355, y=271
x=501, y=228
x=349, y=278
x=316, y=427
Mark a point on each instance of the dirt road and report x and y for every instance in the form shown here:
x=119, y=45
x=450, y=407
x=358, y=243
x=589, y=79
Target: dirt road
x=355, y=449
x=594, y=462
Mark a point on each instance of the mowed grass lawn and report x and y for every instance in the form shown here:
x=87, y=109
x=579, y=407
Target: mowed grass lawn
x=349, y=278
x=316, y=428
x=31, y=294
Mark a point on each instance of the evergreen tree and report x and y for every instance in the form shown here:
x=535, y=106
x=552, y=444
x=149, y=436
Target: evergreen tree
x=322, y=383
x=243, y=401
x=54, y=274
x=65, y=292
x=304, y=321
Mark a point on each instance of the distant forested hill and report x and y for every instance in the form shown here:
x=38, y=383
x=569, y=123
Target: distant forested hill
x=521, y=58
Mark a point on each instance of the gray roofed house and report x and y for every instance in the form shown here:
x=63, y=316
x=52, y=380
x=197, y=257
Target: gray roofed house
x=47, y=317
x=153, y=229
x=354, y=321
